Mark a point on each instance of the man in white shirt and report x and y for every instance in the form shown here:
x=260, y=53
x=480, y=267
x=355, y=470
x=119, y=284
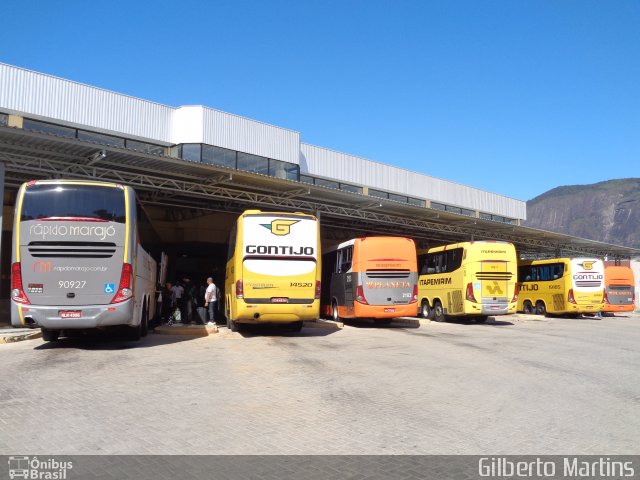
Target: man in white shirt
x=178, y=294
x=210, y=298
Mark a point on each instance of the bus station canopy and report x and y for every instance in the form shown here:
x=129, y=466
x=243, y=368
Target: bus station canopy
x=171, y=182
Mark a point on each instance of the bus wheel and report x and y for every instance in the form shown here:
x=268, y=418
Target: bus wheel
x=425, y=311
x=527, y=307
x=541, y=309
x=295, y=326
x=231, y=325
x=134, y=333
x=438, y=311
x=50, y=335
x=335, y=316
x=144, y=323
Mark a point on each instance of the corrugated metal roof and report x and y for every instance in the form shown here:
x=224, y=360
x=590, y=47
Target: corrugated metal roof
x=30, y=155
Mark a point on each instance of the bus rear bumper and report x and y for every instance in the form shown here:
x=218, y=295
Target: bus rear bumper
x=496, y=308
x=609, y=308
x=582, y=308
x=91, y=316
x=277, y=313
x=384, y=311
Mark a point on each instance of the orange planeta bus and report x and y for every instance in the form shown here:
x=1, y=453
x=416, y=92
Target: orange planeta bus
x=370, y=277
x=619, y=289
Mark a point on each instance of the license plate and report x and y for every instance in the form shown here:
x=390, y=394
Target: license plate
x=70, y=313
x=389, y=310
x=279, y=300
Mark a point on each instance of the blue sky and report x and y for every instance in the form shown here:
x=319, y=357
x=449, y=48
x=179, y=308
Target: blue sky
x=515, y=97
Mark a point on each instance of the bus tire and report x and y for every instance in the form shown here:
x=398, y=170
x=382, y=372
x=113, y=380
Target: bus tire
x=527, y=307
x=541, y=308
x=134, y=333
x=425, y=310
x=335, y=315
x=438, y=311
x=295, y=326
x=231, y=325
x=144, y=322
x=50, y=335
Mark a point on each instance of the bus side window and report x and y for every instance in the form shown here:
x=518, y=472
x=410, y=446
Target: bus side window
x=338, y=261
x=344, y=259
x=232, y=243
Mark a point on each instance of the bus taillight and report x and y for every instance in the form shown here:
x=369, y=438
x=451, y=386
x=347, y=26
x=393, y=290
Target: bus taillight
x=605, y=297
x=318, y=289
x=124, y=288
x=570, y=296
x=239, y=289
x=360, y=295
x=414, y=298
x=470, y=296
x=516, y=292
x=17, y=292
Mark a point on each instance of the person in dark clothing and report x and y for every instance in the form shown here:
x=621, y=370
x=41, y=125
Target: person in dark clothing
x=168, y=302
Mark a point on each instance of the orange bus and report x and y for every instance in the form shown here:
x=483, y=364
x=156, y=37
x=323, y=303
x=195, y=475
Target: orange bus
x=619, y=289
x=370, y=277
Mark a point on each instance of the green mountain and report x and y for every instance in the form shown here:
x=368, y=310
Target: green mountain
x=606, y=211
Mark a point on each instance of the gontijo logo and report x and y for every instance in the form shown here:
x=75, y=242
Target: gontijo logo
x=587, y=265
x=280, y=226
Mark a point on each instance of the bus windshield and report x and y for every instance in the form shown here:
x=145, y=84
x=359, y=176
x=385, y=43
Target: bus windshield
x=70, y=201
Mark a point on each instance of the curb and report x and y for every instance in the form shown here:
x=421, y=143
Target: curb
x=20, y=338
x=320, y=323
x=192, y=330
x=410, y=322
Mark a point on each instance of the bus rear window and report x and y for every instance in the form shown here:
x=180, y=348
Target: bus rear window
x=73, y=201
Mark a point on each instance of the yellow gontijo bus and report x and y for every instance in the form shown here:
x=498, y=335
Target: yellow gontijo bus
x=561, y=285
x=273, y=271
x=473, y=279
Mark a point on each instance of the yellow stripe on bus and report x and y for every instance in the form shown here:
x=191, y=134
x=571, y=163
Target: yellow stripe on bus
x=79, y=182
x=126, y=224
x=21, y=315
x=18, y=223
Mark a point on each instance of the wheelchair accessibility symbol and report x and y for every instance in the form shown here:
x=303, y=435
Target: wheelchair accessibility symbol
x=109, y=288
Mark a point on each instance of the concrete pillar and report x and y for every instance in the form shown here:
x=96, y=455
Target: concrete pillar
x=2, y=198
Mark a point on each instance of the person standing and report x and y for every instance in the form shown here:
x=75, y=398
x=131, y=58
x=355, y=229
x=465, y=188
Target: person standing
x=168, y=303
x=178, y=292
x=210, y=300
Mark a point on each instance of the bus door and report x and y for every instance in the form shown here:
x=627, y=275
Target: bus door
x=493, y=279
x=342, y=281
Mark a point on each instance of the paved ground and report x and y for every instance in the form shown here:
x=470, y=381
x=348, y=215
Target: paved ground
x=518, y=385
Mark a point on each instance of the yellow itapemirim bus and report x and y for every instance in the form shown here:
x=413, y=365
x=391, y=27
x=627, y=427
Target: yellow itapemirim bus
x=469, y=279
x=561, y=286
x=273, y=271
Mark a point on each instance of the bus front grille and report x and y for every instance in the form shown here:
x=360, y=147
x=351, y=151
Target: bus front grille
x=388, y=273
x=72, y=249
x=494, y=275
